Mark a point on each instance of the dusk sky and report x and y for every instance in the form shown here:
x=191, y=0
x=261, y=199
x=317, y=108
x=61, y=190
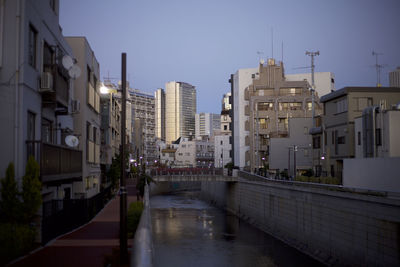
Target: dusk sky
x=203, y=41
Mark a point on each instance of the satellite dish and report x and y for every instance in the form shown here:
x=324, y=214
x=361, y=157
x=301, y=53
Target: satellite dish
x=74, y=72
x=67, y=62
x=71, y=141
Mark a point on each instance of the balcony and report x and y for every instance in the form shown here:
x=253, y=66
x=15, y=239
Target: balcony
x=56, y=162
x=54, y=87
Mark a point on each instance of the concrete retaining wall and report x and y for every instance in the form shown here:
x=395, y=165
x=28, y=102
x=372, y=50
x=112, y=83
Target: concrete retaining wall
x=334, y=225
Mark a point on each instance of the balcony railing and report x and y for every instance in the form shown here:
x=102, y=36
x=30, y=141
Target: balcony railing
x=56, y=162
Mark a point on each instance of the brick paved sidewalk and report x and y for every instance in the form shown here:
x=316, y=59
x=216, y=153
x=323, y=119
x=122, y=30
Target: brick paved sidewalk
x=86, y=246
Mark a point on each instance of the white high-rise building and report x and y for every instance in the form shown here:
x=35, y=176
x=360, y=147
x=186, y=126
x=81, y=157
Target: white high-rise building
x=206, y=124
x=324, y=81
x=241, y=79
x=180, y=110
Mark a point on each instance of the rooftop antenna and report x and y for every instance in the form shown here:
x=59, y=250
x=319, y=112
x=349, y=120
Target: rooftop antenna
x=378, y=68
x=272, y=41
x=312, y=55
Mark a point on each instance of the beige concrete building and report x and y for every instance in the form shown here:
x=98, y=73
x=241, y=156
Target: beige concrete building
x=335, y=139
x=272, y=100
x=110, y=130
x=394, y=78
x=87, y=120
x=180, y=110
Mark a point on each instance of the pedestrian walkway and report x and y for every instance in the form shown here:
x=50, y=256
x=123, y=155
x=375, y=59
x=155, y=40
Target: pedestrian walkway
x=85, y=246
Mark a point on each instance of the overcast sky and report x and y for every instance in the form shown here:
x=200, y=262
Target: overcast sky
x=203, y=41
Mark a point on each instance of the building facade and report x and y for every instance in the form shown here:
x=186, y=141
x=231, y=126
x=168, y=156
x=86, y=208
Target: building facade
x=87, y=122
x=394, y=78
x=294, y=152
x=36, y=92
x=335, y=139
x=272, y=100
x=324, y=81
x=143, y=125
x=206, y=124
x=180, y=110
x=159, y=102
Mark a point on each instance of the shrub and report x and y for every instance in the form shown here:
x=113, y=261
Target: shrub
x=9, y=203
x=134, y=213
x=15, y=241
x=31, y=190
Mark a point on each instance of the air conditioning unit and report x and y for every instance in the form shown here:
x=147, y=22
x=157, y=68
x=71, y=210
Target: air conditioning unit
x=46, y=82
x=75, y=106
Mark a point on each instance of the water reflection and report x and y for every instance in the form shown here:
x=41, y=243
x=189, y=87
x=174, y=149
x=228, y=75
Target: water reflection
x=189, y=232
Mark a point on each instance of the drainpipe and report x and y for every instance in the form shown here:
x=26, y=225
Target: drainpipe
x=1, y=29
x=17, y=88
x=374, y=128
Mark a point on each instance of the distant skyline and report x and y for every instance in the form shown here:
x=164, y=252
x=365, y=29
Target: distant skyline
x=203, y=42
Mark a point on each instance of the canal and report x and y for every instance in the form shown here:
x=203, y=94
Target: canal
x=190, y=232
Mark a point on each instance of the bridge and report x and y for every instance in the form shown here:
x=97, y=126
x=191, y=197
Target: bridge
x=191, y=175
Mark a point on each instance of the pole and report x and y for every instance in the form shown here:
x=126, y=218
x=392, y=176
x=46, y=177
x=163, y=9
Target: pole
x=312, y=54
x=123, y=234
x=294, y=161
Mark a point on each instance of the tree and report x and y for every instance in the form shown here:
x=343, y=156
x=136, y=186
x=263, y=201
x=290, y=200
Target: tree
x=9, y=204
x=31, y=190
x=143, y=179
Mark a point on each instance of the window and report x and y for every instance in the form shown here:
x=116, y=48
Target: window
x=48, y=56
x=263, y=123
x=316, y=142
x=225, y=127
x=378, y=137
x=31, y=126
x=359, y=138
x=309, y=105
x=222, y=142
x=363, y=102
x=341, y=106
x=32, y=43
x=290, y=91
x=47, y=131
x=290, y=106
x=342, y=140
x=53, y=5
x=266, y=106
x=94, y=134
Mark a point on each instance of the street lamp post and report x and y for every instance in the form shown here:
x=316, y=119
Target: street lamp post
x=123, y=235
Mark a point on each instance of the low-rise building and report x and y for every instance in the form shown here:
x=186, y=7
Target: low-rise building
x=87, y=122
x=294, y=152
x=335, y=139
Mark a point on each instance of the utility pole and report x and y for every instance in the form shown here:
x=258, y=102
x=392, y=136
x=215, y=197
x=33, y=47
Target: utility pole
x=123, y=233
x=312, y=55
x=378, y=68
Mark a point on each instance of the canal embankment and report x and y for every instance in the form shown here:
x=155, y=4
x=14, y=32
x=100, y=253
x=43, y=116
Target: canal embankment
x=336, y=225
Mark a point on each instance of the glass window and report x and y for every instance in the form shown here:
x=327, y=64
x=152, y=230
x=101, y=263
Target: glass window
x=32, y=43
x=47, y=131
x=31, y=126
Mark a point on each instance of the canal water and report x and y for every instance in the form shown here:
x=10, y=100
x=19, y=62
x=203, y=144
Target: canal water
x=189, y=232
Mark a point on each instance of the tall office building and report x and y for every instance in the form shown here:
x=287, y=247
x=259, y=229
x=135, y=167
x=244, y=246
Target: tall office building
x=159, y=96
x=180, y=110
x=206, y=124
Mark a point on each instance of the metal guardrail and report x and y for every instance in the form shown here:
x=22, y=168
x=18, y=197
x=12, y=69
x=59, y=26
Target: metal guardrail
x=142, y=254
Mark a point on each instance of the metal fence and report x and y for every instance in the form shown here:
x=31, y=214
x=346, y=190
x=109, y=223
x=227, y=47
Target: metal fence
x=62, y=216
